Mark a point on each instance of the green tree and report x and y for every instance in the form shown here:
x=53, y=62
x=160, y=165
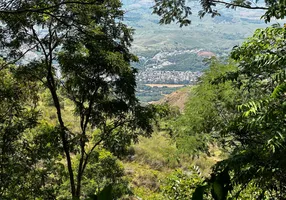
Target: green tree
x=17, y=114
x=210, y=108
x=83, y=56
x=259, y=129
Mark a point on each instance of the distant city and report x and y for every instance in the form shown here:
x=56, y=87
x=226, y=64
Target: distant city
x=168, y=77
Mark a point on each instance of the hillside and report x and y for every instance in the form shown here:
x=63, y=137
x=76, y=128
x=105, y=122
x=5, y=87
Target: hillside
x=176, y=99
x=156, y=159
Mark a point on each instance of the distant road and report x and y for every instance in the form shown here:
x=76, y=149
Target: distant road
x=166, y=85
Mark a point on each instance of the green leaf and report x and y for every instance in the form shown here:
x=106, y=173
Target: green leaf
x=105, y=194
x=218, y=190
x=199, y=193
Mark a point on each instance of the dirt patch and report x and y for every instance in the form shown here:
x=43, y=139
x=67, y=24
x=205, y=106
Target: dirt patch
x=206, y=54
x=177, y=98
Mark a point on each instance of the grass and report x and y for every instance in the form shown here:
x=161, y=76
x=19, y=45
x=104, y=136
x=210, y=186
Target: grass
x=158, y=151
x=155, y=158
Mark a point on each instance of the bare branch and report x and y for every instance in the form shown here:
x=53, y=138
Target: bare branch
x=2, y=66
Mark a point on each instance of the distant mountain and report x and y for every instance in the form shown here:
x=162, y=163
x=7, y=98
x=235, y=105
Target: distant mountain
x=217, y=35
x=167, y=48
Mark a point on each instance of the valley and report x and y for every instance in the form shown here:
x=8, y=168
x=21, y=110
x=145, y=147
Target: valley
x=172, y=55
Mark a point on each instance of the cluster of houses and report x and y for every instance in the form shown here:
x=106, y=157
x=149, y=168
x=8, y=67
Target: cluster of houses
x=167, y=77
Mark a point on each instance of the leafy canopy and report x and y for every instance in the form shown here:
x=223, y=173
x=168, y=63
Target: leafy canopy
x=81, y=55
x=260, y=127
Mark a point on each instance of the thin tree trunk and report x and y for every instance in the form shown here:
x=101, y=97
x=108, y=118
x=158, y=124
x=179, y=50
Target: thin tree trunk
x=62, y=132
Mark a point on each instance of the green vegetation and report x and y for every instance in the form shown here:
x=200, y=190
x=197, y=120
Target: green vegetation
x=243, y=111
x=71, y=126
x=92, y=74
x=207, y=111
x=183, y=62
x=259, y=125
x=148, y=94
x=156, y=162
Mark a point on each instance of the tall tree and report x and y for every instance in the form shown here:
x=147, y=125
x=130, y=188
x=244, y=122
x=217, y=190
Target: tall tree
x=82, y=54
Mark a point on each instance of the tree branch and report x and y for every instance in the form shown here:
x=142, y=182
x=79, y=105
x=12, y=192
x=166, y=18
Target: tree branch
x=2, y=66
x=36, y=10
x=239, y=5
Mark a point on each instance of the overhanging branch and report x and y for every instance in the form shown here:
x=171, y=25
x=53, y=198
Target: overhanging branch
x=20, y=11
x=240, y=5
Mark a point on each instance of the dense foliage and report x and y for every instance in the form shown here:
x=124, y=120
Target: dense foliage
x=17, y=115
x=83, y=58
x=260, y=126
x=243, y=110
x=209, y=108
